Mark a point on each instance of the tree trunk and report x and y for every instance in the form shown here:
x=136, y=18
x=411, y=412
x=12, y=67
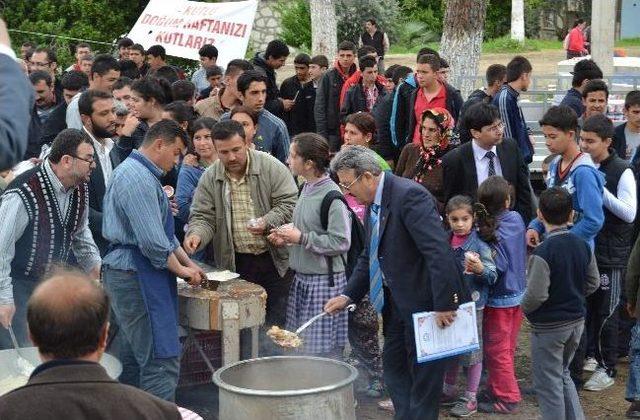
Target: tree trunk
x=461, y=42
x=324, y=28
x=517, y=20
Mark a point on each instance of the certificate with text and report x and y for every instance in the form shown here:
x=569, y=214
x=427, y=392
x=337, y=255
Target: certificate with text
x=433, y=342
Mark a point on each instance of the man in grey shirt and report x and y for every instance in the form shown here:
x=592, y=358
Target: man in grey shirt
x=44, y=214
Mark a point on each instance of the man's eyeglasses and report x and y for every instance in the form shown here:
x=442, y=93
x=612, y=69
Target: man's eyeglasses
x=348, y=187
x=39, y=64
x=496, y=128
x=90, y=161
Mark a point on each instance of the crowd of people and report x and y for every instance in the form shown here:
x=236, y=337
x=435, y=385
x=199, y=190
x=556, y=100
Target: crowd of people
x=346, y=183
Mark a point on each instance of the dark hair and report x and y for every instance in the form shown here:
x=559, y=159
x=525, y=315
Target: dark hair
x=632, y=99
x=585, y=70
x=560, y=117
x=183, y=90
x=303, y=59
x=371, y=21
x=28, y=44
x=225, y=130
x=276, y=49
x=347, y=46
x=480, y=115
x=125, y=43
x=248, y=77
x=38, y=75
x=150, y=87
x=88, y=97
x=68, y=326
x=167, y=73
x=167, y=130
x=51, y=53
x=401, y=73
x=74, y=80
x=157, y=51
x=556, y=204
x=181, y=112
x=313, y=147
x=103, y=64
x=203, y=123
x=122, y=82
x=600, y=125
x=236, y=66
x=388, y=73
x=495, y=73
x=320, y=60
x=426, y=50
x=578, y=22
x=366, y=50
x=88, y=57
x=518, y=66
x=66, y=143
x=458, y=202
x=367, y=61
x=138, y=47
x=213, y=71
x=493, y=193
x=595, y=86
x=81, y=45
x=444, y=64
x=129, y=69
x=363, y=121
x=241, y=109
x=208, y=50
x=432, y=60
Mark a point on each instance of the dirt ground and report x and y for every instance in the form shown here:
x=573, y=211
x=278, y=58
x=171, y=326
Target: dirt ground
x=608, y=404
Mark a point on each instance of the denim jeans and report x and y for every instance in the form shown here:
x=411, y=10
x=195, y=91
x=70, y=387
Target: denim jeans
x=633, y=383
x=134, y=340
x=22, y=290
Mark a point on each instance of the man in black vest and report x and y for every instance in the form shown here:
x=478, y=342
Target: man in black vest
x=44, y=218
x=377, y=39
x=612, y=249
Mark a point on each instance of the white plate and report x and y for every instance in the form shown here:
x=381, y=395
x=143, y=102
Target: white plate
x=225, y=275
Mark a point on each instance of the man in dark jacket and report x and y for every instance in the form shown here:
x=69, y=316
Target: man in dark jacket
x=583, y=71
x=627, y=136
x=72, y=83
x=382, y=115
x=268, y=62
x=515, y=127
x=68, y=318
x=366, y=95
x=496, y=76
x=327, y=108
x=291, y=88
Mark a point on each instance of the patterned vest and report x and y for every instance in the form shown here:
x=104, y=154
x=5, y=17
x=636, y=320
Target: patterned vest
x=47, y=238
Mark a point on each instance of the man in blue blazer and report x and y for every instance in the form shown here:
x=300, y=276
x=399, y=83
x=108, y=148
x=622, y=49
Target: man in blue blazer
x=414, y=271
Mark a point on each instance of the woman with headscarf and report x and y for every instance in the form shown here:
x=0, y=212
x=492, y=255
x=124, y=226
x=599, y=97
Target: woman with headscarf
x=423, y=162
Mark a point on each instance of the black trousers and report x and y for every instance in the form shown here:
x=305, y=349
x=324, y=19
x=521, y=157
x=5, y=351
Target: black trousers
x=415, y=388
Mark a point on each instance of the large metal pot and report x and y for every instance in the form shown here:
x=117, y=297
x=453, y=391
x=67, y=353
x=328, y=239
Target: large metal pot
x=286, y=388
x=8, y=362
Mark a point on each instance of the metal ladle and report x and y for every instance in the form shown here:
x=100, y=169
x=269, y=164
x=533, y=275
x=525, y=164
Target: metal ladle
x=23, y=366
x=350, y=308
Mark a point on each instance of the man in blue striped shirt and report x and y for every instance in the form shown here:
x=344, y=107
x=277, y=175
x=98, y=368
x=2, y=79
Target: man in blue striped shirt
x=143, y=261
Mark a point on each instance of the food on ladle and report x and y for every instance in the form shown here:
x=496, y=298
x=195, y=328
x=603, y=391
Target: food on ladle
x=284, y=338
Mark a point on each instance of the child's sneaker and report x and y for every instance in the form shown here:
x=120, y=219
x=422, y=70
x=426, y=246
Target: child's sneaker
x=464, y=408
x=498, y=407
x=590, y=365
x=448, y=400
x=386, y=405
x=599, y=381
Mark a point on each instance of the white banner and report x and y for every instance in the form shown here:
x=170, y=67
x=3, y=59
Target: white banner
x=182, y=27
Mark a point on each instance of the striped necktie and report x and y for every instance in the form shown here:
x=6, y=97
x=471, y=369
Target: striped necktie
x=492, y=166
x=376, y=294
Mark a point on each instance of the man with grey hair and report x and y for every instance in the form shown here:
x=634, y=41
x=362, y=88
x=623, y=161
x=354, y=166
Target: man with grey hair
x=407, y=266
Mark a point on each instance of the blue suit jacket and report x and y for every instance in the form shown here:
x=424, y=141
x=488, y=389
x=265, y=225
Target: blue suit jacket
x=414, y=253
x=16, y=102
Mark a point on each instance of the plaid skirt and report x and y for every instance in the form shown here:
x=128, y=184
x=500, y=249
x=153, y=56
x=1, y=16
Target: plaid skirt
x=307, y=296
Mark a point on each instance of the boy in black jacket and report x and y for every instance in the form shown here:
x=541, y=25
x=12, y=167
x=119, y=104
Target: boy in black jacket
x=561, y=272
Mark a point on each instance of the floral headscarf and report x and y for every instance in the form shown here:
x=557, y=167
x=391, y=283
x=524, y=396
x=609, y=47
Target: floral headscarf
x=430, y=157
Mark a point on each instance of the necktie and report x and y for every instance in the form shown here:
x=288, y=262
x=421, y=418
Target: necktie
x=492, y=167
x=376, y=294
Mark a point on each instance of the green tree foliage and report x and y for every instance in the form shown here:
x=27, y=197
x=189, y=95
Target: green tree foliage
x=96, y=20
x=352, y=14
x=295, y=23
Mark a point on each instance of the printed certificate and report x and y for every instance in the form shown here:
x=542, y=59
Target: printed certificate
x=433, y=342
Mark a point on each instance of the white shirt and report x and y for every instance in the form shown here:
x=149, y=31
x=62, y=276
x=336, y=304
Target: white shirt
x=623, y=203
x=103, y=155
x=482, y=161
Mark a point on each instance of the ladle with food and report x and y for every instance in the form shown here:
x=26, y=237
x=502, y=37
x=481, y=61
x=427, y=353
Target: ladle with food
x=292, y=340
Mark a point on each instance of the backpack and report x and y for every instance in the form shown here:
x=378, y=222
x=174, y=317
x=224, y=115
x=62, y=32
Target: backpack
x=357, y=234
